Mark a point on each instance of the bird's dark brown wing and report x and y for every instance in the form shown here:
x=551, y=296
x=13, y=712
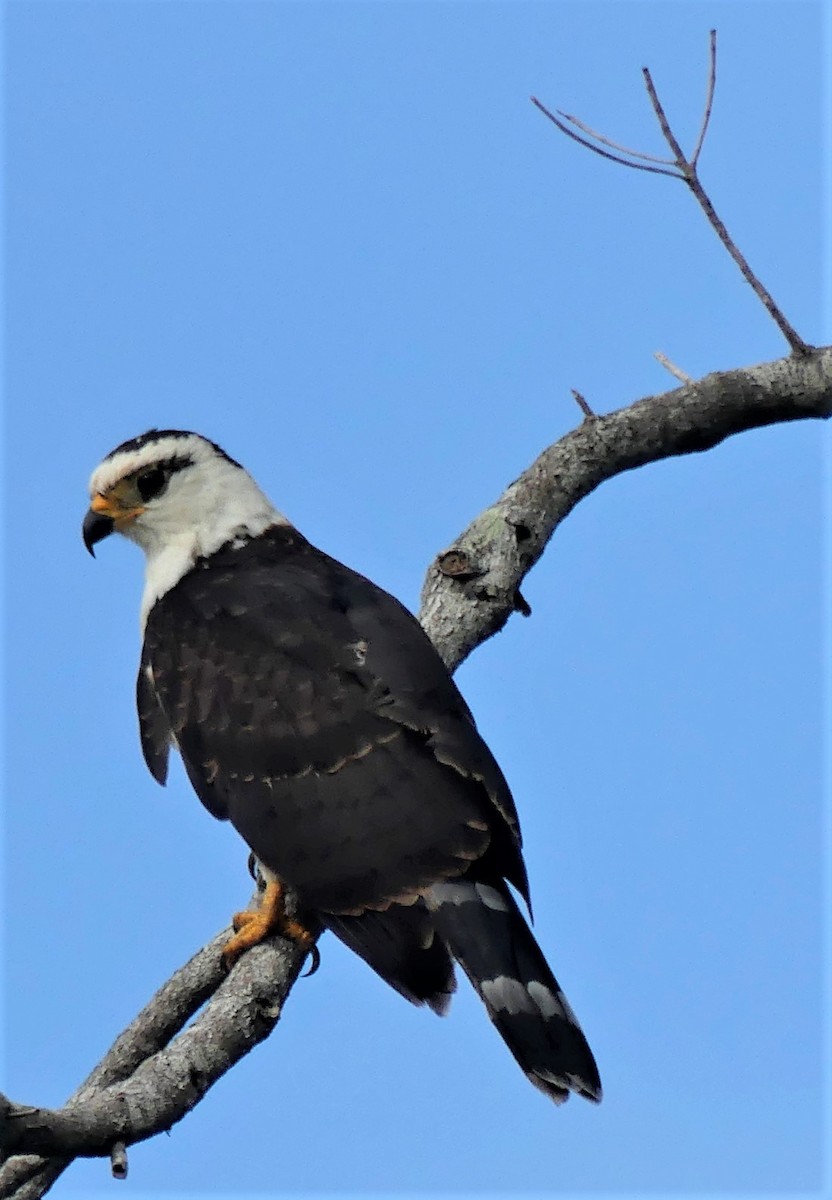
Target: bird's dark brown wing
x=312, y=711
x=154, y=727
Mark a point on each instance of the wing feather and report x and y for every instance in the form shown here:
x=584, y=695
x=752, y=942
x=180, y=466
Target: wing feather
x=154, y=727
x=312, y=711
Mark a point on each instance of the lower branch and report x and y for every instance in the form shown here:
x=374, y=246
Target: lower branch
x=167, y=1085
x=148, y=1081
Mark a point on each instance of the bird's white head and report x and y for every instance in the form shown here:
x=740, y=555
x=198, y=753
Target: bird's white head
x=180, y=497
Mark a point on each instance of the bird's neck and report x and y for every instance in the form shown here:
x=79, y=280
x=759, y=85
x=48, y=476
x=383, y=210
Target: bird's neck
x=171, y=560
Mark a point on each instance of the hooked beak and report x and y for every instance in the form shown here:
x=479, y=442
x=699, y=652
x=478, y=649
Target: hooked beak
x=107, y=513
x=97, y=526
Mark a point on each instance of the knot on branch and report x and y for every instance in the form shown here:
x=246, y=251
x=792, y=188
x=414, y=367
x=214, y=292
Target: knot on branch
x=458, y=564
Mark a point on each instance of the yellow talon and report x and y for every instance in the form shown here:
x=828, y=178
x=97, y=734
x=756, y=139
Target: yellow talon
x=254, y=925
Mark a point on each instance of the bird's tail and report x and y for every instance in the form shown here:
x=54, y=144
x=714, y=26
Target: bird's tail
x=400, y=944
x=487, y=934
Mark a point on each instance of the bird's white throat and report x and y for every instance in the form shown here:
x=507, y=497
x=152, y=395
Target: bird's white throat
x=211, y=504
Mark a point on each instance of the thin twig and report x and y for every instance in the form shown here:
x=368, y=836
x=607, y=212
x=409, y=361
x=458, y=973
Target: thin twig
x=599, y=137
x=798, y=345
x=675, y=371
x=679, y=155
x=582, y=405
x=690, y=175
x=691, y=178
x=686, y=169
x=118, y=1160
x=597, y=149
x=709, y=100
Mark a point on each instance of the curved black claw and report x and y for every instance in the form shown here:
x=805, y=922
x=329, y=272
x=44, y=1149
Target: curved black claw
x=315, y=955
x=251, y=863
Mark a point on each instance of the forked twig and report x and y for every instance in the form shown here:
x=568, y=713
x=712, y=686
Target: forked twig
x=684, y=168
x=599, y=137
x=709, y=101
x=597, y=149
x=679, y=159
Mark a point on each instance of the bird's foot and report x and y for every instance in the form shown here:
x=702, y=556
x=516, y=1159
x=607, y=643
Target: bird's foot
x=270, y=917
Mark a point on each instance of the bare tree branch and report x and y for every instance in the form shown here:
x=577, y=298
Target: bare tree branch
x=147, y=1082
x=168, y=1084
x=118, y=1161
x=583, y=405
x=624, y=162
x=668, y=134
x=28, y=1176
x=798, y=345
x=709, y=101
x=686, y=170
x=599, y=137
x=675, y=371
x=507, y=539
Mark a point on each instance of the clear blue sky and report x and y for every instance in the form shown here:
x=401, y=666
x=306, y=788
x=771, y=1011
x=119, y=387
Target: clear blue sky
x=338, y=239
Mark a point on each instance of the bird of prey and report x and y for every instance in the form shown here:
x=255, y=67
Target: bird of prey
x=312, y=711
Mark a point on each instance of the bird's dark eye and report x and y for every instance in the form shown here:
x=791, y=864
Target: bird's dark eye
x=151, y=483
